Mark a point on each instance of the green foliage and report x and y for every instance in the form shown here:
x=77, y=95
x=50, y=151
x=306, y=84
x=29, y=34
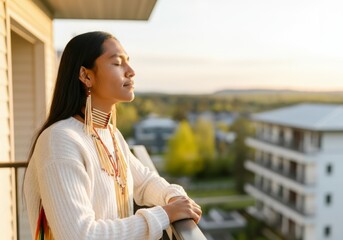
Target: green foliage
x=253, y=230
x=126, y=118
x=240, y=151
x=211, y=193
x=180, y=113
x=223, y=165
x=242, y=236
x=178, y=106
x=146, y=107
x=205, y=140
x=182, y=157
x=222, y=127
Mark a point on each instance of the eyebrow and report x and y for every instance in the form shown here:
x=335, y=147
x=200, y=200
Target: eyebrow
x=123, y=56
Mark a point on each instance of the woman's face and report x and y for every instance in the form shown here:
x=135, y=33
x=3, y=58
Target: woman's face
x=112, y=76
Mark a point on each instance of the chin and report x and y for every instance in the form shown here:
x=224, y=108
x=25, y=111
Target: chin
x=129, y=98
x=132, y=97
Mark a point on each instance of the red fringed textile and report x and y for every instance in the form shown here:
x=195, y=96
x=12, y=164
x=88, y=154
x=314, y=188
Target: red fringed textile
x=42, y=231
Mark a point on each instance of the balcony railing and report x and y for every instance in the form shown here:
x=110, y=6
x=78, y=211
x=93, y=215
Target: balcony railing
x=301, y=179
x=288, y=145
x=181, y=230
x=277, y=197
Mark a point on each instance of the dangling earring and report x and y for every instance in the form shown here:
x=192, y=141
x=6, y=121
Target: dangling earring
x=114, y=117
x=88, y=126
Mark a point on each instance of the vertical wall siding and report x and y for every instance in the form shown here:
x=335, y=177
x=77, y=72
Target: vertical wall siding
x=23, y=85
x=23, y=95
x=7, y=210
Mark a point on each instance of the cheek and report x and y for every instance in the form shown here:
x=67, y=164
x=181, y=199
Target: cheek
x=113, y=86
x=111, y=79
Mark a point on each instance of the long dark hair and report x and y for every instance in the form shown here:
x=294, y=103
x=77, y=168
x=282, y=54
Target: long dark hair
x=69, y=94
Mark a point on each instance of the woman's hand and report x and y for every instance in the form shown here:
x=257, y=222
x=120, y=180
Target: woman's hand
x=182, y=207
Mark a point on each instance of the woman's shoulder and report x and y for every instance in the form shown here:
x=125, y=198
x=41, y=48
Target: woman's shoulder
x=65, y=127
x=61, y=145
x=61, y=136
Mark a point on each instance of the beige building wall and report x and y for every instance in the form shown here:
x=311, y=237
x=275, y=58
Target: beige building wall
x=27, y=72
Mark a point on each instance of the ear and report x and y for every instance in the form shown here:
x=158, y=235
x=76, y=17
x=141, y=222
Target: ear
x=85, y=76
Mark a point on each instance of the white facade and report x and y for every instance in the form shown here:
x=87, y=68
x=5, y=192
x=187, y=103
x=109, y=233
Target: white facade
x=298, y=170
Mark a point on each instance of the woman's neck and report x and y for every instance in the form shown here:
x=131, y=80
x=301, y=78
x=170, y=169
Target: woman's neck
x=103, y=105
x=100, y=118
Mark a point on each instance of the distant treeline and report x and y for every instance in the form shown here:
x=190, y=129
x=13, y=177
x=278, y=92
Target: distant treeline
x=178, y=106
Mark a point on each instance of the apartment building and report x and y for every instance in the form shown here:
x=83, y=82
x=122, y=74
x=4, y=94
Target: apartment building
x=297, y=164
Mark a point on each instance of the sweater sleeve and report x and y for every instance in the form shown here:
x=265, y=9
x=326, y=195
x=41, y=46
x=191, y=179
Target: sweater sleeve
x=65, y=192
x=149, y=188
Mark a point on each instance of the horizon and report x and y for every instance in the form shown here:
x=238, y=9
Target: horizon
x=247, y=90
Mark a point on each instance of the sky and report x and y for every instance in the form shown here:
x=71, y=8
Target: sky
x=203, y=46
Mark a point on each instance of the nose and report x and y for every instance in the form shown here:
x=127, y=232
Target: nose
x=130, y=73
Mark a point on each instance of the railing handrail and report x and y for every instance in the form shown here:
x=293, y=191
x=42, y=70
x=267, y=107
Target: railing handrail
x=185, y=229
x=13, y=164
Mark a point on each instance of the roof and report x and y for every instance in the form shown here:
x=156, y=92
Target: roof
x=100, y=9
x=319, y=117
x=157, y=122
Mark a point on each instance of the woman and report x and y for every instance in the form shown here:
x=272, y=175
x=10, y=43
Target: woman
x=82, y=177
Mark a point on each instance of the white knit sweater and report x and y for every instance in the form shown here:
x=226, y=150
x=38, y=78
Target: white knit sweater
x=79, y=198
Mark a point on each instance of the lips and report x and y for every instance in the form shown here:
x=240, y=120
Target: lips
x=128, y=84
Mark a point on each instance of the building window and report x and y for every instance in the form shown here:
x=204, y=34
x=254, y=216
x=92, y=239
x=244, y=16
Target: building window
x=329, y=169
x=328, y=199
x=319, y=140
x=280, y=164
x=327, y=231
x=280, y=192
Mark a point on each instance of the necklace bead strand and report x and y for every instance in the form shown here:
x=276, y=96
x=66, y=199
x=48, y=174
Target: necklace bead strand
x=113, y=164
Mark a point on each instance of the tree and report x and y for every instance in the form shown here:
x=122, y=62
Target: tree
x=126, y=118
x=179, y=113
x=182, y=158
x=240, y=151
x=205, y=140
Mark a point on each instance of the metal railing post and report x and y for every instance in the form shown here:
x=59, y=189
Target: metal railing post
x=15, y=165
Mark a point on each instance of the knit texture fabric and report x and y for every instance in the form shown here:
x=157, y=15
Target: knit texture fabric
x=79, y=198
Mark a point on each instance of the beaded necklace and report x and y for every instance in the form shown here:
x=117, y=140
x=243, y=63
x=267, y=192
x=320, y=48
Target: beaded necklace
x=113, y=166
x=113, y=170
